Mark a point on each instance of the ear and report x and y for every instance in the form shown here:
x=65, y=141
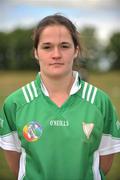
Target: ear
x=76, y=52
x=35, y=54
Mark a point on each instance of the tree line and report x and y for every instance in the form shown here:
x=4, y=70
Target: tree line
x=16, y=50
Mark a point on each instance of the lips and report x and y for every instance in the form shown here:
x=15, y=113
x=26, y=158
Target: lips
x=53, y=64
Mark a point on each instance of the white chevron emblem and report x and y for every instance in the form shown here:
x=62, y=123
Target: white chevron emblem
x=87, y=128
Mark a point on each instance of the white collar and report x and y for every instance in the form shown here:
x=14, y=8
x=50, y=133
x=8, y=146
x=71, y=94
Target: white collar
x=75, y=87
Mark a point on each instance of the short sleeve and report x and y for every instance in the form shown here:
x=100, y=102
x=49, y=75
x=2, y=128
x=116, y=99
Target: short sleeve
x=8, y=135
x=110, y=141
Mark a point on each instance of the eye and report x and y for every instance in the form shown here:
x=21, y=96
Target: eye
x=46, y=47
x=65, y=46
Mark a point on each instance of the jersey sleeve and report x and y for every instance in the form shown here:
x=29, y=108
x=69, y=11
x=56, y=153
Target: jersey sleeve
x=110, y=141
x=8, y=135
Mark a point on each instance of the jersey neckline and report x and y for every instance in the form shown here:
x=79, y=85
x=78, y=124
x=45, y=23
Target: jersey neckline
x=74, y=89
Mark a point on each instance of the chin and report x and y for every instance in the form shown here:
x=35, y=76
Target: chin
x=58, y=74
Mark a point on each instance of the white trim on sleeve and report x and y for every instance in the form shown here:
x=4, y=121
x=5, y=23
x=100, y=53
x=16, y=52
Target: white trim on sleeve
x=10, y=142
x=109, y=145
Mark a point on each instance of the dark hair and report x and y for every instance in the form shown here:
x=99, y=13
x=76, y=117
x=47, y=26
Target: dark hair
x=56, y=19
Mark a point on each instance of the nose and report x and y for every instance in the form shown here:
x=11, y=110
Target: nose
x=56, y=53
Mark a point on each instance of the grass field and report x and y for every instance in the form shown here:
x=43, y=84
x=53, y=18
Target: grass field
x=109, y=82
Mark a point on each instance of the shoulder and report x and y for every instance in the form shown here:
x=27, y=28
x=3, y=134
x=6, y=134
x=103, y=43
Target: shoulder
x=22, y=96
x=93, y=94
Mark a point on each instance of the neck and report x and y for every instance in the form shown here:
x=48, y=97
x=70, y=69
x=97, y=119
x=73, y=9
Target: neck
x=60, y=85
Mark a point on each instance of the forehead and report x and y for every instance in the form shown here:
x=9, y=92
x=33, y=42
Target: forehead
x=55, y=32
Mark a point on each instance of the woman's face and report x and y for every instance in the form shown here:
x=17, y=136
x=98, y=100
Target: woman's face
x=55, y=51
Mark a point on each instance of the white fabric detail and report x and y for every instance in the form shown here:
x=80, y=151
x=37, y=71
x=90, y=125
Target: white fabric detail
x=84, y=90
x=109, y=145
x=89, y=92
x=30, y=92
x=44, y=89
x=25, y=94
x=10, y=142
x=22, y=165
x=75, y=87
x=93, y=96
x=95, y=167
x=34, y=89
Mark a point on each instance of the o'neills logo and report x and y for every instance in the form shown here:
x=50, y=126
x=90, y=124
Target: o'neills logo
x=59, y=123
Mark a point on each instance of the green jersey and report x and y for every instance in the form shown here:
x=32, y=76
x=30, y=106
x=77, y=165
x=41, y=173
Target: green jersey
x=59, y=143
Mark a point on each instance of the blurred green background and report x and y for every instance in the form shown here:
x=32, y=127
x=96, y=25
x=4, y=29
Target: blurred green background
x=109, y=82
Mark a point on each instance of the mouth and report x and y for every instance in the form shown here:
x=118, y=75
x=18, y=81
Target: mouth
x=56, y=64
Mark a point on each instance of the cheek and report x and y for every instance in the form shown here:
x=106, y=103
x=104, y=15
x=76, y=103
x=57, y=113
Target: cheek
x=44, y=63
x=70, y=57
x=42, y=57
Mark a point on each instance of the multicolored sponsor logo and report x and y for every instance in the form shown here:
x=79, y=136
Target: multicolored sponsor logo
x=32, y=131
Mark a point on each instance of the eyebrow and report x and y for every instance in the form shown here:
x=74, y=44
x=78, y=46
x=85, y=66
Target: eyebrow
x=65, y=43
x=48, y=43
x=45, y=43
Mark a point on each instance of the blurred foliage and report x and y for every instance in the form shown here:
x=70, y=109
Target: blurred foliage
x=113, y=49
x=16, y=50
x=90, y=46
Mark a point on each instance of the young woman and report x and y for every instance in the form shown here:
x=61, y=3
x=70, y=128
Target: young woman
x=58, y=127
